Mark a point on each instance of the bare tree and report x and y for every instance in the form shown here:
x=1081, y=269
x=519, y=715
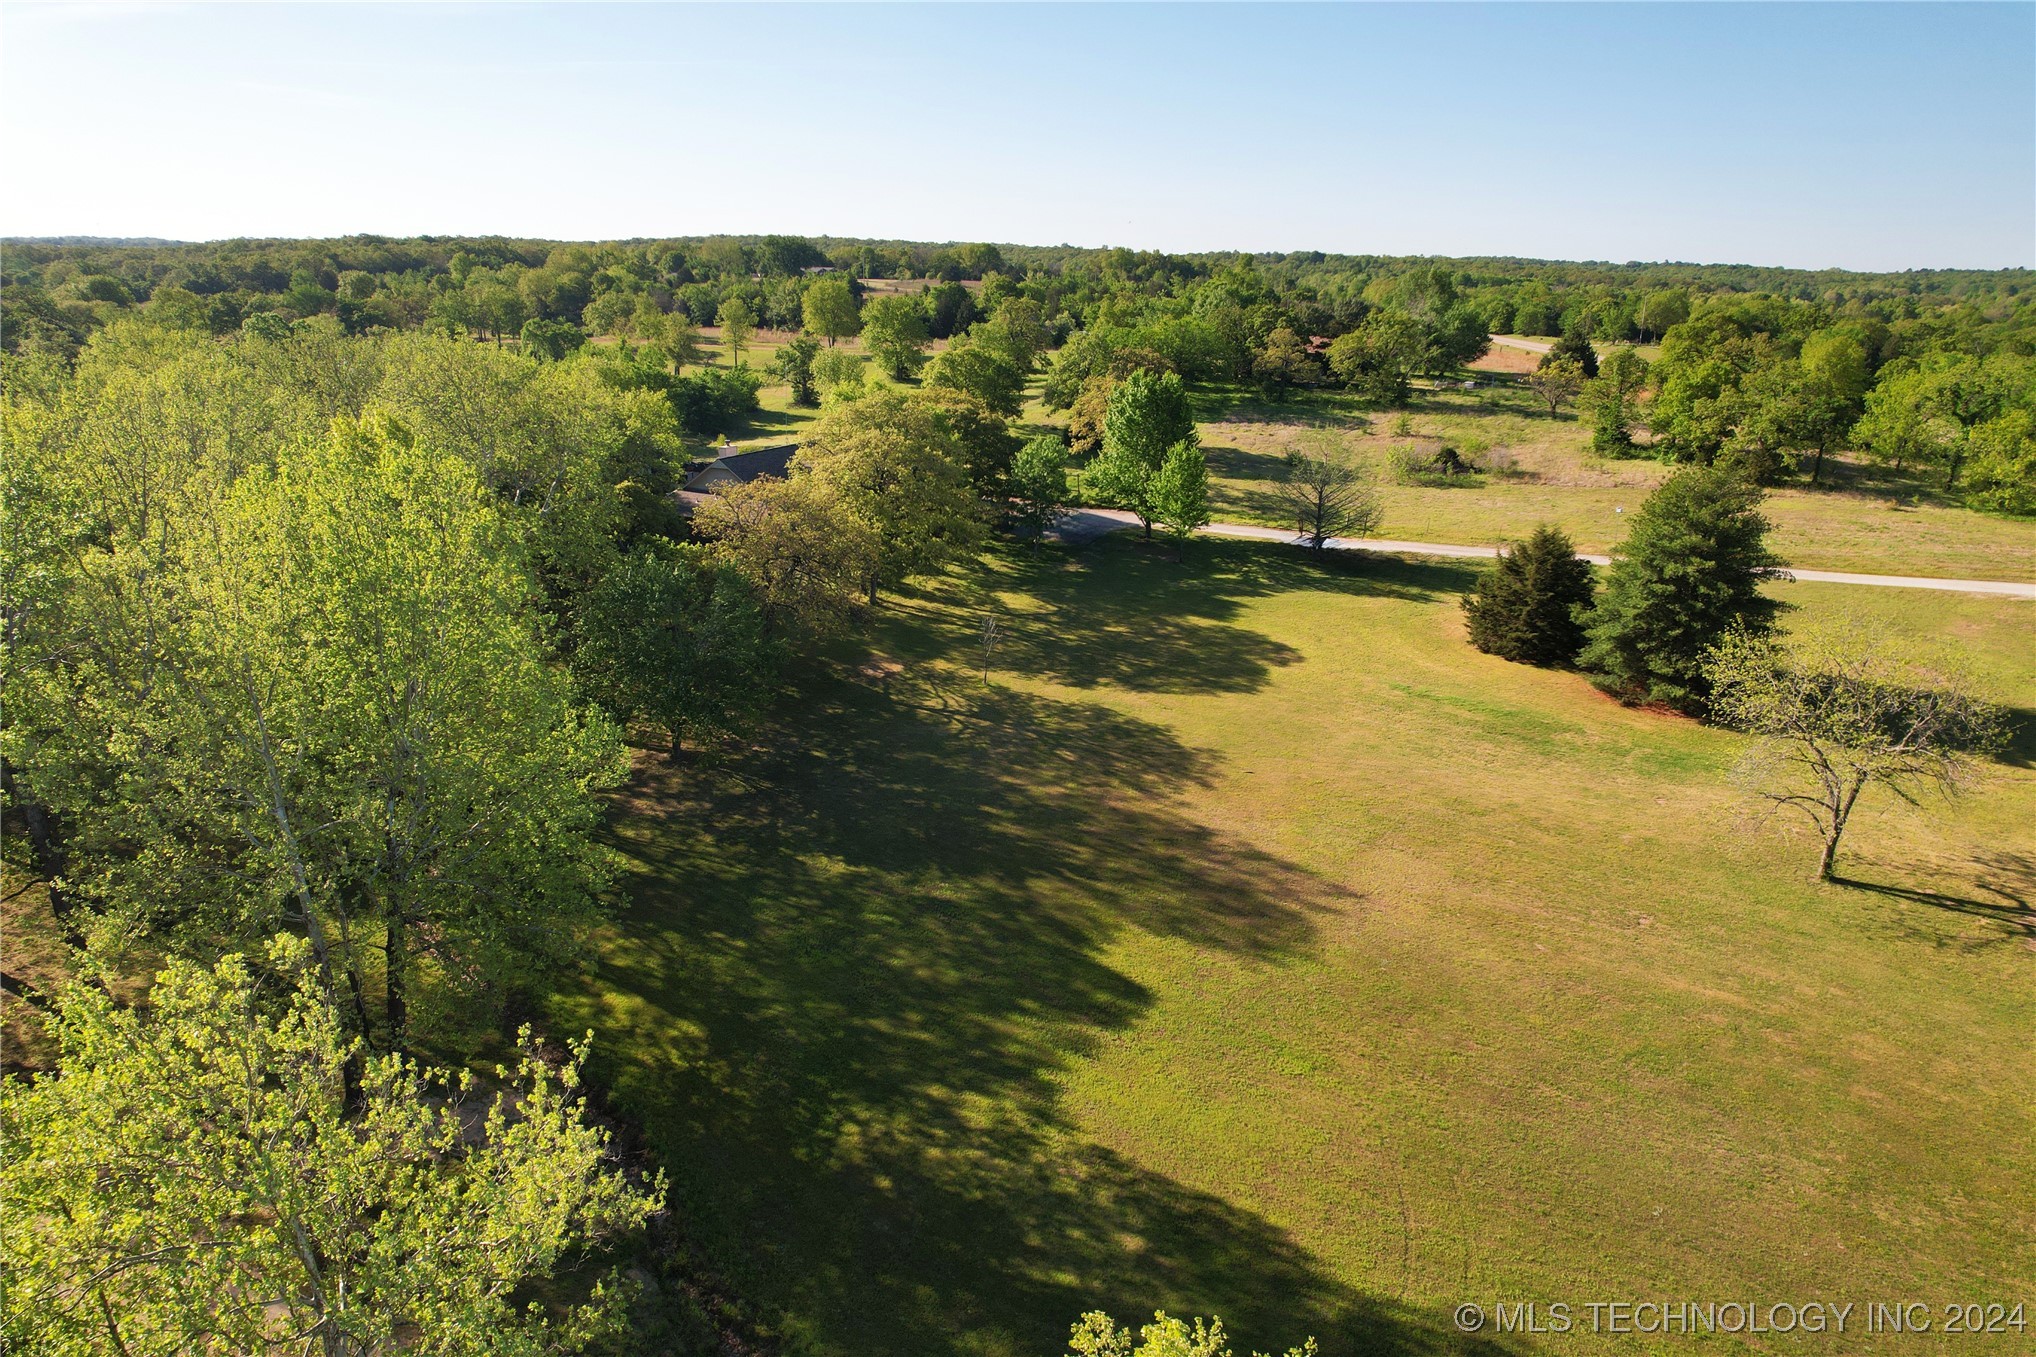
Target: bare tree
x=1328, y=497
x=1838, y=713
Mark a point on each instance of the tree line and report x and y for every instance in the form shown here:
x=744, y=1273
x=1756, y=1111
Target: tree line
x=1681, y=620
x=321, y=651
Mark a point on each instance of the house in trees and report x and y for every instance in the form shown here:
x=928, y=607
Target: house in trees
x=733, y=468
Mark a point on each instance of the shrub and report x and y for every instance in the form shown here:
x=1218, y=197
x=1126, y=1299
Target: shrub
x=1528, y=607
x=714, y=400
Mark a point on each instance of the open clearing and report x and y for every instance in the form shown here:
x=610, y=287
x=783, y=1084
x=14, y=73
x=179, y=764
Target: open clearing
x=1250, y=944
x=1858, y=522
x=1884, y=526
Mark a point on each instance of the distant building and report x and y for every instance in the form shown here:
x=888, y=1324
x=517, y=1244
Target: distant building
x=733, y=468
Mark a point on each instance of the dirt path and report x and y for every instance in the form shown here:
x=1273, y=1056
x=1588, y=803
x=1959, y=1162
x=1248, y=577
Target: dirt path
x=1531, y=345
x=1085, y=525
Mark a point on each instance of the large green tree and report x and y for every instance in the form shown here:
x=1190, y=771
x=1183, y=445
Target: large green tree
x=672, y=637
x=222, y=1171
x=738, y=320
x=894, y=464
x=2001, y=473
x=1179, y=493
x=1039, y=486
x=1379, y=358
x=315, y=693
x=1688, y=573
x=1613, y=399
x=982, y=372
x=1148, y=416
x=794, y=364
x=829, y=309
x=894, y=331
x=807, y=557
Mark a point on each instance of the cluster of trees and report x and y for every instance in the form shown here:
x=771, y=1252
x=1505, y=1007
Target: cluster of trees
x=1770, y=370
x=1682, y=621
x=1095, y=1334
x=329, y=639
x=1772, y=387
x=1688, y=573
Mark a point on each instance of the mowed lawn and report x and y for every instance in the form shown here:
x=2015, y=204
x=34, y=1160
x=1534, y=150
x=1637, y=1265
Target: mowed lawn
x=1854, y=521
x=1250, y=945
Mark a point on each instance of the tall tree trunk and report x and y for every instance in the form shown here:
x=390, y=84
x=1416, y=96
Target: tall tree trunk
x=1840, y=813
x=676, y=749
x=1817, y=467
x=396, y=994
x=46, y=842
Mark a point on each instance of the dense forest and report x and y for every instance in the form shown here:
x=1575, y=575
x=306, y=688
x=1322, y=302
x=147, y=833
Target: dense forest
x=1775, y=368
x=57, y=290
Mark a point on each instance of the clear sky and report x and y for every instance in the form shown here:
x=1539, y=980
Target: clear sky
x=1879, y=136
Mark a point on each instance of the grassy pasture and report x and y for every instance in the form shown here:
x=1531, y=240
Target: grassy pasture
x=1858, y=522
x=1249, y=944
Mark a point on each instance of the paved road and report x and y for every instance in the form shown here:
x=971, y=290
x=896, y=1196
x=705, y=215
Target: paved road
x=1531, y=345
x=1086, y=525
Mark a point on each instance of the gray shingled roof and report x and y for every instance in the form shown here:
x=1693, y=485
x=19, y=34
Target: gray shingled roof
x=775, y=460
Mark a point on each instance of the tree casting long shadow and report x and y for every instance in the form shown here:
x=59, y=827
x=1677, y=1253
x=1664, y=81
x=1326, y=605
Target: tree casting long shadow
x=855, y=967
x=1170, y=626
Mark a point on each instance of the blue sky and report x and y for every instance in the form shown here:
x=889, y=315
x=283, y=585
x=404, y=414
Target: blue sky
x=1875, y=136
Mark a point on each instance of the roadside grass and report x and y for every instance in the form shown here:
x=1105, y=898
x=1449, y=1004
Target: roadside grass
x=1249, y=944
x=1861, y=521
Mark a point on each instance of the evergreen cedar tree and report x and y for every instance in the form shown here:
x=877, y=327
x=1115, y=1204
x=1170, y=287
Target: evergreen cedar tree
x=1577, y=348
x=1529, y=608
x=1688, y=574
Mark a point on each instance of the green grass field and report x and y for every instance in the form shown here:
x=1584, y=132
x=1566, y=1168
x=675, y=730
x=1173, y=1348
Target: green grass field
x=1248, y=944
x=1857, y=522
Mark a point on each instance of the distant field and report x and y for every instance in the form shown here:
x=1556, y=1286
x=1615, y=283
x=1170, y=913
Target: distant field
x=1249, y=944
x=1856, y=523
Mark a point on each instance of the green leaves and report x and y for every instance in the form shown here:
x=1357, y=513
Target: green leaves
x=1148, y=417
x=1179, y=492
x=198, y=1177
x=673, y=638
x=1688, y=573
x=1529, y=606
x=314, y=689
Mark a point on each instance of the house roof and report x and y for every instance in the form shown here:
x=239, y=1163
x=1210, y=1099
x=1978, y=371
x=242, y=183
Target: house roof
x=747, y=465
x=751, y=463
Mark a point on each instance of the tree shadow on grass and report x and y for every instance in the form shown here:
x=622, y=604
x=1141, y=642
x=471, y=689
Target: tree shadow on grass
x=1115, y=613
x=856, y=967
x=1238, y=464
x=2006, y=886
x=2020, y=751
